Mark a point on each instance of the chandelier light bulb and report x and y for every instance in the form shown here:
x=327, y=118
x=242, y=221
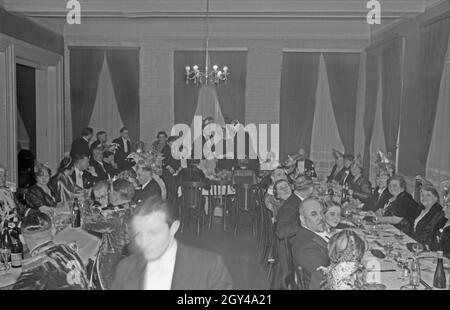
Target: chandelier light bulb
x=215, y=67
x=225, y=69
x=195, y=68
x=188, y=68
x=219, y=73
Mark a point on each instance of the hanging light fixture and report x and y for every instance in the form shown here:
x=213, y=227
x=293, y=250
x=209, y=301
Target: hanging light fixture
x=215, y=76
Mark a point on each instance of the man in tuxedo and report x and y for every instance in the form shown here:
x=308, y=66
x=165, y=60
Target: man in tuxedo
x=310, y=245
x=109, y=164
x=102, y=138
x=160, y=262
x=288, y=217
x=80, y=145
x=124, y=149
x=171, y=168
x=83, y=176
x=304, y=164
x=149, y=187
x=97, y=163
x=288, y=223
x=381, y=194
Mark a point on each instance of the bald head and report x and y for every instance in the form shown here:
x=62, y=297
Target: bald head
x=311, y=215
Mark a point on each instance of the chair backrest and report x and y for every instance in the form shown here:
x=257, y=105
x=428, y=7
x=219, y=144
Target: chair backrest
x=219, y=188
x=245, y=196
x=191, y=193
x=244, y=176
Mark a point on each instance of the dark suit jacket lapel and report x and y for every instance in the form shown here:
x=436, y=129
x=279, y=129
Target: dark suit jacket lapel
x=180, y=272
x=319, y=240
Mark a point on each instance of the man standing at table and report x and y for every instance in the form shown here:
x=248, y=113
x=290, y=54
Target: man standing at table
x=160, y=262
x=51, y=266
x=124, y=149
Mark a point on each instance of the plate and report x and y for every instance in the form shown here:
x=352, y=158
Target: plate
x=378, y=253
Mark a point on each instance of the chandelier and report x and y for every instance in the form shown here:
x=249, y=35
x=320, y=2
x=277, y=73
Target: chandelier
x=215, y=76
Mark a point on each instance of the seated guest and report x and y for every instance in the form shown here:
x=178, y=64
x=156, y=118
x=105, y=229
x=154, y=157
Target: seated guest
x=161, y=262
x=332, y=217
x=161, y=141
x=346, y=177
x=401, y=210
x=380, y=194
x=109, y=164
x=149, y=186
x=346, y=250
x=97, y=163
x=131, y=176
x=80, y=145
x=441, y=233
x=281, y=192
x=360, y=187
x=100, y=193
x=123, y=150
x=270, y=179
x=287, y=218
x=429, y=217
x=122, y=194
x=51, y=267
x=62, y=181
x=338, y=170
x=309, y=246
x=10, y=207
x=304, y=165
x=41, y=196
x=102, y=139
x=83, y=176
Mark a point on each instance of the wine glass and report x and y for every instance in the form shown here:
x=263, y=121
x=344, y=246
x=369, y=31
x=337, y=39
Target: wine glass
x=4, y=258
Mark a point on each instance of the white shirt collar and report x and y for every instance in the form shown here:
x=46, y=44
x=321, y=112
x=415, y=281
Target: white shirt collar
x=78, y=171
x=298, y=195
x=159, y=273
x=85, y=139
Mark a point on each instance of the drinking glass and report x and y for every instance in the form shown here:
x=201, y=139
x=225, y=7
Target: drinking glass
x=4, y=258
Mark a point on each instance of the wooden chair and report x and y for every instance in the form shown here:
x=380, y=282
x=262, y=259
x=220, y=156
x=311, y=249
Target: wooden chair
x=192, y=204
x=218, y=197
x=244, y=204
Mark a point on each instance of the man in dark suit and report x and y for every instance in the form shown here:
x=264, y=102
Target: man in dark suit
x=83, y=176
x=381, y=194
x=97, y=163
x=288, y=217
x=310, y=245
x=109, y=164
x=102, y=138
x=80, y=145
x=149, y=187
x=304, y=164
x=124, y=149
x=160, y=262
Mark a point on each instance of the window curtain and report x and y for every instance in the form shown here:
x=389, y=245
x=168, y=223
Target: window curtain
x=372, y=86
x=124, y=68
x=85, y=67
x=433, y=48
x=185, y=95
x=299, y=79
x=392, y=93
x=26, y=101
x=343, y=71
x=231, y=96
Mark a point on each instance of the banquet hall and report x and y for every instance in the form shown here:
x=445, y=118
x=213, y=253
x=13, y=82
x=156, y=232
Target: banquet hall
x=224, y=144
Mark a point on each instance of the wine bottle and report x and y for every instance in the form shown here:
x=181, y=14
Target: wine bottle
x=76, y=214
x=16, y=249
x=6, y=242
x=414, y=276
x=439, y=280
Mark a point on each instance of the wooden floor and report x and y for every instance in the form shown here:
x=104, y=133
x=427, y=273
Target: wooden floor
x=240, y=253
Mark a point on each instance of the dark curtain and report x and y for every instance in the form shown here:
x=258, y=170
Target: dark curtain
x=299, y=79
x=124, y=67
x=433, y=48
x=231, y=96
x=372, y=86
x=343, y=71
x=391, y=80
x=26, y=101
x=85, y=66
x=185, y=95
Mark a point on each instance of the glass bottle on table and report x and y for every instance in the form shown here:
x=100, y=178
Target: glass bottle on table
x=5, y=246
x=439, y=280
x=16, y=248
x=76, y=214
x=414, y=276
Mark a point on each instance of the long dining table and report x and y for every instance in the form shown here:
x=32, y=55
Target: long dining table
x=393, y=243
